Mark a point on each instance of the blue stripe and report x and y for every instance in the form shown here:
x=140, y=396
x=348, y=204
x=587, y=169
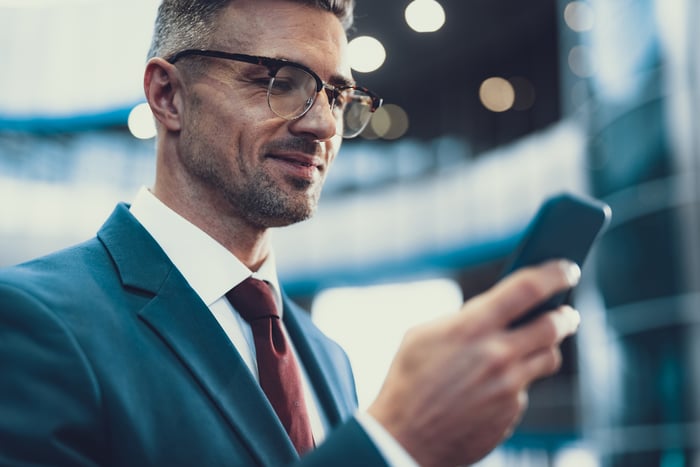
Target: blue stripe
x=419, y=265
x=66, y=123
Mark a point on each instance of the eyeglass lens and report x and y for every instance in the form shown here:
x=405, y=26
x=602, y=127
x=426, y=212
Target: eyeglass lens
x=292, y=92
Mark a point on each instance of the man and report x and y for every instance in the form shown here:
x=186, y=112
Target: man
x=125, y=350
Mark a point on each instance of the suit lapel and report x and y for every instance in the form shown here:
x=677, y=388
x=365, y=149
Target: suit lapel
x=185, y=324
x=319, y=365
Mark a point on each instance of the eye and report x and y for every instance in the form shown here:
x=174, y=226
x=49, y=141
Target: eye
x=254, y=75
x=263, y=82
x=346, y=97
x=281, y=85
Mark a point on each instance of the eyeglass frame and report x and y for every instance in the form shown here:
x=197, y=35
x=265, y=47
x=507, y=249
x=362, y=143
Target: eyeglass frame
x=273, y=66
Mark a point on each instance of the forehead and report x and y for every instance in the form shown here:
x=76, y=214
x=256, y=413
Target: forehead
x=285, y=29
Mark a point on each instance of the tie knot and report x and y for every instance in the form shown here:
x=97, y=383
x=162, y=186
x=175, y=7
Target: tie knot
x=253, y=299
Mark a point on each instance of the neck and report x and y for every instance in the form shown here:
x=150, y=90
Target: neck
x=250, y=244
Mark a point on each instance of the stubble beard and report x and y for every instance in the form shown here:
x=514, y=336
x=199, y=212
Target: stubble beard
x=258, y=199
x=265, y=203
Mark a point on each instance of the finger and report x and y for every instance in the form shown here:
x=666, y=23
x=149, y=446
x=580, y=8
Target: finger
x=546, y=331
x=523, y=402
x=540, y=364
x=523, y=290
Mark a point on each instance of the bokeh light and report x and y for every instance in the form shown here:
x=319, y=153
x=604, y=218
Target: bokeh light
x=366, y=54
x=580, y=94
x=581, y=61
x=425, y=15
x=497, y=94
x=389, y=122
x=141, y=123
x=579, y=16
x=524, y=93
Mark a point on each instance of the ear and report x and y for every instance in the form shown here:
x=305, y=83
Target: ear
x=162, y=88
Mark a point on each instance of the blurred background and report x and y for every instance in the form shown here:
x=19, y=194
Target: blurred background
x=491, y=106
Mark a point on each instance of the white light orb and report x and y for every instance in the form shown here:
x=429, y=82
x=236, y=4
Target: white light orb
x=425, y=15
x=579, y=16
x=141, y=123
x=366, y=54
x=581, y=61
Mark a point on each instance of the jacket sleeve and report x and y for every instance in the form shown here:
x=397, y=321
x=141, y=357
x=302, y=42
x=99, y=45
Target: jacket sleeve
x=48, y=395
x=347, y=446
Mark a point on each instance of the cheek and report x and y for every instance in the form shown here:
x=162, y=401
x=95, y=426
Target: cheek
x=333, y=148
x=247, y=135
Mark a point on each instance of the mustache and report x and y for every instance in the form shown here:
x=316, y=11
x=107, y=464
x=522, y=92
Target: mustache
x=301, y=145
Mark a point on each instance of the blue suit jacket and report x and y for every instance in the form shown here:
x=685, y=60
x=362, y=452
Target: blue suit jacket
x=108, y=357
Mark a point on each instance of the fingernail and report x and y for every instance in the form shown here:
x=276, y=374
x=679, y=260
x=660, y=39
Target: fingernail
x=572, y=272
x=574, y=317
x=567, y=321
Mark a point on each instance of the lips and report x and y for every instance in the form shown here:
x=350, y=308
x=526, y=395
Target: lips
x=298, y=165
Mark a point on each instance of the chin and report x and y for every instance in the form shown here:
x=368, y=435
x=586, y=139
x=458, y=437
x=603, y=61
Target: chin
x=298, y=216
x=283, y=215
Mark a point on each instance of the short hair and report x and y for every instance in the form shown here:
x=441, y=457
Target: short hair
x=186, y=24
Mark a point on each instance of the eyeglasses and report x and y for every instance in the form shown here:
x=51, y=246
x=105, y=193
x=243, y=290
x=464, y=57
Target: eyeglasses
x=293, y=89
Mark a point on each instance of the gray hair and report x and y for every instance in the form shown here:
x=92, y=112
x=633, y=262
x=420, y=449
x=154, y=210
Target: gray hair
x=186, y=24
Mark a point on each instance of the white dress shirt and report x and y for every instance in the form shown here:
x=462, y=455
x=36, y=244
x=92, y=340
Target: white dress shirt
x=211, y=270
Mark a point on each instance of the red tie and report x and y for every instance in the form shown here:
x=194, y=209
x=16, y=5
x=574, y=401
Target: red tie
x=278, y=370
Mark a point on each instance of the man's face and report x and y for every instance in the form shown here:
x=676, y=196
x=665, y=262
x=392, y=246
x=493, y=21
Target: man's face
x=256, y=166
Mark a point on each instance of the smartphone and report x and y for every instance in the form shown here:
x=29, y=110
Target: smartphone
x=565, y=227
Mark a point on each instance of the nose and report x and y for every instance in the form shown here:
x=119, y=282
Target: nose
x=319, y=122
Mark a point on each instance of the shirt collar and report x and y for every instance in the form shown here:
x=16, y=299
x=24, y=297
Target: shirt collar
x=209, y=268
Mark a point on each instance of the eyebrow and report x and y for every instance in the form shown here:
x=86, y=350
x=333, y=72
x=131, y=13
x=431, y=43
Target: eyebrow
x=337, y=79
x=341, y=81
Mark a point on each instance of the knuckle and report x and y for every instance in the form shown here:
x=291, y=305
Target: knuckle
x=412, y=337
x=555, y=360
x=552, y=361
x=509, y=394
x=520, y=400
x=498, y=356
x=549, y=333
x=511, y=387
x=531, y=289
x=523, y=400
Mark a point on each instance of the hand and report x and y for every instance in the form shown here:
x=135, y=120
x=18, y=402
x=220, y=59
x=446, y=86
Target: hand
x=458, y=385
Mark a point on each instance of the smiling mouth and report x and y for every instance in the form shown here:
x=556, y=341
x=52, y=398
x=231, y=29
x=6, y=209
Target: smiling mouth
x=302, y=161
x=292, y=161
x=298, y=166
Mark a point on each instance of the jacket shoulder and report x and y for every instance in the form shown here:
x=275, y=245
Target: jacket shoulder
x=59, y=269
